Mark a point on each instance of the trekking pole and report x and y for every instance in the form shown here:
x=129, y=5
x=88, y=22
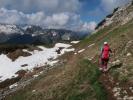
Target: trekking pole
x=99, y=61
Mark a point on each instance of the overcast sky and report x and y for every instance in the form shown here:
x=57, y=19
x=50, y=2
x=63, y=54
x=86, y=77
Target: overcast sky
x=70, y=14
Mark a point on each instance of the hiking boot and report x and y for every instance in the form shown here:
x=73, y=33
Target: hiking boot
x=105, y=69
x=100, y=69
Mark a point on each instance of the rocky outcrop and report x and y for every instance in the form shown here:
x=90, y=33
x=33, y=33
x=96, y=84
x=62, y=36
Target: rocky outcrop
x=120, y=16
x=116, y=63
x=17, y=34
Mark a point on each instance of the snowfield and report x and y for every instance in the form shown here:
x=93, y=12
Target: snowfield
x=75, y=42
x=8, y=67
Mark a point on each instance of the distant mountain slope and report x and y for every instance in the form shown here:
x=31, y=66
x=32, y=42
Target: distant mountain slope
x=17, y=34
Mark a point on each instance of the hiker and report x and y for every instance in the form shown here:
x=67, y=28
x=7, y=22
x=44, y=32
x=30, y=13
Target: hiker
x=104, y=57
x=59, y=50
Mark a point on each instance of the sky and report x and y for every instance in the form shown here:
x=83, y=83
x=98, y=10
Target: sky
x=79, y=15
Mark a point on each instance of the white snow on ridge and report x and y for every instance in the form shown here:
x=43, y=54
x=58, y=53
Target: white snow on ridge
x=8, y=68
x=68, y=50
x=75, y=42
x=62, y=45
x=91, y=45
x=13, y=86
x=8, y=29
x=81, y=50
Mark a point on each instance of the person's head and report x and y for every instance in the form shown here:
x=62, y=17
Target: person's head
x=105, y=43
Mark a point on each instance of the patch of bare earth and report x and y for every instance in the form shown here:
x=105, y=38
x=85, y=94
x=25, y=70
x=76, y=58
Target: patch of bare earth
x=17, y=53
x=115, y=89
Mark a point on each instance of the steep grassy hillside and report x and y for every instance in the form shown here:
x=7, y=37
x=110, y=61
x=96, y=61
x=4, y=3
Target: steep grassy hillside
x=79, y=78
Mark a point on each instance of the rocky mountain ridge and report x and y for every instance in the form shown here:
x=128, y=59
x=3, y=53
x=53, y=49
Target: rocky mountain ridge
x=119, y=16
x=17, y=34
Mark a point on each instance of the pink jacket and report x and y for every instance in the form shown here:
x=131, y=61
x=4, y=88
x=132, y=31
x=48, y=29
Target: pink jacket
x=105, y=51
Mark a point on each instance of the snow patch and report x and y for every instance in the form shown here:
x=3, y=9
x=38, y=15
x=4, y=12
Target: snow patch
x=62, y=45
x=75, y=53
x=33, y=35
x=91, y=45
x=75, y=42
x=13, y=86
x=81, y=50
x=68, y=50
x=53, y=62
x=35, y=76
x=37, y=59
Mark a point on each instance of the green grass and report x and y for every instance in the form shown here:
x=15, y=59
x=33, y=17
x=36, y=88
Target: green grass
x=91, y=39
x=89, y=74
x=85, y=86
x=128, y=27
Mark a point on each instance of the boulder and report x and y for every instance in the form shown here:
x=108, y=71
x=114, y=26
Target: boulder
x=116, y=63
x=129, y=54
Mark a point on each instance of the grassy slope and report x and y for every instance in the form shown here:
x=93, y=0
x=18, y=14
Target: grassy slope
x=83, y=86
x=78, y=78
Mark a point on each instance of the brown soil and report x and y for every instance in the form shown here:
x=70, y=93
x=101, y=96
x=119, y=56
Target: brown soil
x=9, y=82
x=21, y=73
x=17, y=53
x=109, y=83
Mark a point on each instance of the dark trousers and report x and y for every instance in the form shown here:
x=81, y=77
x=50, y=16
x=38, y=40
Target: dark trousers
x=104, y=62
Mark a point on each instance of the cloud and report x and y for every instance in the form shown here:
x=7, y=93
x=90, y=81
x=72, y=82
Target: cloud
x=15, y=17
x=48, y=6
x=47, y=13
x=53, y=13
x=66, y=20
x=89, y=26
x=9, y=16
x=60, y=19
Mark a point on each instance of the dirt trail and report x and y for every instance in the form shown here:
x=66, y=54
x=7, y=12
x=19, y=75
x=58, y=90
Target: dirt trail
x=109, y=83
x=116, y=90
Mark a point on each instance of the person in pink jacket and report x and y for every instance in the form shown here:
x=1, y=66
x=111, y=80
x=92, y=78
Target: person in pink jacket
x=105, y=54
